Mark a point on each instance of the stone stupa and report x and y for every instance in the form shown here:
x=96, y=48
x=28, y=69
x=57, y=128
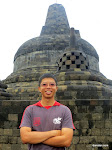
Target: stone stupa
x=72, y=59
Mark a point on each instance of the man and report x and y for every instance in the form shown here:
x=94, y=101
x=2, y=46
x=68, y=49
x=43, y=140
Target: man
x=47, y=125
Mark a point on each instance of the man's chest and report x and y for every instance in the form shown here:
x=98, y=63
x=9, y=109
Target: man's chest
x=47, y=119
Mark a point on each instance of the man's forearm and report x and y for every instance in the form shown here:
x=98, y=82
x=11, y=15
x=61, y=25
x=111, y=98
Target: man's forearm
x=63, y=140
x=35, y=137
x=58, y=141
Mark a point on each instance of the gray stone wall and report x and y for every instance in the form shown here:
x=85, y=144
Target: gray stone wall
x=37, y=59
x=46, y=58
x=93, y=63
x=92, y=119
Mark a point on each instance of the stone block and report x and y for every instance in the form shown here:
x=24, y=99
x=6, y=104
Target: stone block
x=80, y=147
x=89, y=147
x=75, y=110
x=16, y=132
x=84, y=140
x=109, y=139
x=98, y=109
x=6, y=103
x=6, y=147
x=72, y=57
x=101, y=139
x=78, y=116
x=24, y=147
x=67, y=93
x=63, y=59
x=110, y=116
x=84, y=124
x=64, y=67
x=16, y=147
x=93, y=139
x=99, y=124
x=0, y=146
x=108, y=124
x=82, y=66
x=86, y=132
x=105, y=132
x=13, y=140
x=4, y=139
x=72, y=147
x=97, y=116
x=75, y=140
x=82, y=109
x=76, y=132
x=96, y=131
x=1, y=131
x=72, y=66
x=10, y=124
x=68, y=62
x=19, y=140
x=13, y=117
x=110, y=132
x=8, y=132
x=71, y=103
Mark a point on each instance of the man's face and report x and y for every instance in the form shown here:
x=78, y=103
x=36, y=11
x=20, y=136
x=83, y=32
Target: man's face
x=48, y=88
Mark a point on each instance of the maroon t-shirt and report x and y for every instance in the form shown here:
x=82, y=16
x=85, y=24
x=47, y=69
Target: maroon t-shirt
x=40, y=118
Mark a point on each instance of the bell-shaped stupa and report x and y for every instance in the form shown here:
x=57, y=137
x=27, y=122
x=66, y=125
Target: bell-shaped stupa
x=73, y=60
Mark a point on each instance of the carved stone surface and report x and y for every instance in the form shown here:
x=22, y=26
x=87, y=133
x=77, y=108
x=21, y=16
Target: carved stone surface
x=3, y=94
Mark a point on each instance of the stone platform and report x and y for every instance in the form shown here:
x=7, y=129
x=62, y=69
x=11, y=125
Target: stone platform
x=92, y=119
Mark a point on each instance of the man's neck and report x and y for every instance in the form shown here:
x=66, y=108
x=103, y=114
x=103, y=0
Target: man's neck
x=47, y=102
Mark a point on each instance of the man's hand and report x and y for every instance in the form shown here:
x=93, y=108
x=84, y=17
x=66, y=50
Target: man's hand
x=63, y=140
x=34, y=137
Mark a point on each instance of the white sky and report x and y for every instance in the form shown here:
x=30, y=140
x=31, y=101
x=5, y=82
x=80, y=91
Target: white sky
x=21, y=20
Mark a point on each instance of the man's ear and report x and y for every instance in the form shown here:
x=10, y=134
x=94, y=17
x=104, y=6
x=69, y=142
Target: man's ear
x=39, y=89
x=56, y=89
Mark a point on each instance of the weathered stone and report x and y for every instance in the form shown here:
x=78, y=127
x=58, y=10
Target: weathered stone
x=99, y=124
x=75, y=140
x=95, y=131
x=16, y=132
x=16, y=147
x=84, y=140
x=80, y=146
x=6, y=147
x=96, y=116
x=24, y=147
x=105, y=131
x=8, y=132
x=1, y=131
x=13, y=117
x=13, y=140
x=4, y=139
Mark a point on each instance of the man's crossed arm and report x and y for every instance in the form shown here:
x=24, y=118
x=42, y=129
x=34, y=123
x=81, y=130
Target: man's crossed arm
x=57, y=138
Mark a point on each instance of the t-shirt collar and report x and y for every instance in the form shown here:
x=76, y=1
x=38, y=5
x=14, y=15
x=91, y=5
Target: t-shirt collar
x=40, y=105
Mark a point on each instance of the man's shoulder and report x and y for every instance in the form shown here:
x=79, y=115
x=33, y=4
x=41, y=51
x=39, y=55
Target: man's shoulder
x=29, y=107
x=63, y=106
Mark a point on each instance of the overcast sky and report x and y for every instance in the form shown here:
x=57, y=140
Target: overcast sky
x=21, y=20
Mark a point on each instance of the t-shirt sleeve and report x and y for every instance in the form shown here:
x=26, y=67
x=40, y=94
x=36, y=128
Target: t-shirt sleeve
x=67, y=120
x=26, y=118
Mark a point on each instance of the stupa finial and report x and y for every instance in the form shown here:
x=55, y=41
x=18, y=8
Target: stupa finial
x=72, y=38
x=56, y=21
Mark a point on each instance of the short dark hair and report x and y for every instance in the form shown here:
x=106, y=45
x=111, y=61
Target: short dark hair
x=47, y=75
